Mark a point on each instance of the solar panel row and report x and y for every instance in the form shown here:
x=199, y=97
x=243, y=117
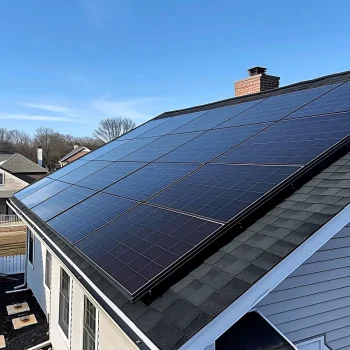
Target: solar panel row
x=137, y=206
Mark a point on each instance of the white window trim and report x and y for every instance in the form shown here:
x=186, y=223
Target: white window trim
x=96, y=323
x=3, y=178
x=31, y=264
x=60, y=330
x=314, y=340
x=45, y=267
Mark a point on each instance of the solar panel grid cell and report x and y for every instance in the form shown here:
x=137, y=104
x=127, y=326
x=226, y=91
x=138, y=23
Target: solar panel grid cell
x=221, y=191
x=85, y=217
x=62, y=201
x=211, y=144
x=32, y=188
x=144, y=242
x=67, y=169
x=336, y=100
x=149, y=180
x=104, y=149
x=294, y=141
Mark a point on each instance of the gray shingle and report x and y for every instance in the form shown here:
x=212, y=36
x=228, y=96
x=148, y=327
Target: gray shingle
x=246, y=252
x=196, y=292
x=182, y=314
x=149, y=319
x=216, y=278
x=231, y=264
x=251, y=274
x=216, y=303
x=267, y=261
x=281, y=248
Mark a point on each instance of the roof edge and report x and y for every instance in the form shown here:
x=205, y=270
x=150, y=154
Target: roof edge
x=248, y=300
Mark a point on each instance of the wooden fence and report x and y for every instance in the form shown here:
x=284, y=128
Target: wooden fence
x=10, y=265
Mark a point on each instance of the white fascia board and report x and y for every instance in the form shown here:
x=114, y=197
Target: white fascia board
x=131, y=325
x=221, y=323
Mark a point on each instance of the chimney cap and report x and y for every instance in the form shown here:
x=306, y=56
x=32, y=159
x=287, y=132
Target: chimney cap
x=256, y=70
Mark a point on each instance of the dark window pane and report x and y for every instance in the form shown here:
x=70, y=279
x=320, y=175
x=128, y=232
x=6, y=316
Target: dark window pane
x=48, y=267
x=64, y=302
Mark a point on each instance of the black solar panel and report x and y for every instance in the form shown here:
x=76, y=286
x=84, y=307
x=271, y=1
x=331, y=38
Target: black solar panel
x=294, y=141
x=127, y=148
x=277, y=107
x=173, y=182
x=214, y=117
x=81, y=173
x=105, y=149
x=171, y=124
x=160, y=147
x=62, y=201
x=143, y=128
x=221, y=191
x=336, y=100
x=109, y=175
x=211, y=144
x=143, y=243
x=149, y=180
x=67, y=169
x=44, y=193
x=87, y=216
x=32, y=188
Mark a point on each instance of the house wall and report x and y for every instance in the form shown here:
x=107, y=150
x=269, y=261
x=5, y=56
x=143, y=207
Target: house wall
x=110, y=336
x=315, y=299
x=36, y=273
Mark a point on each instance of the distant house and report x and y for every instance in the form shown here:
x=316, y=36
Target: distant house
x=76, y=153
x=16, y=172
x=222, y=226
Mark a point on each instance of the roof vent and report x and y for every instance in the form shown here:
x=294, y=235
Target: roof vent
x=257, y=81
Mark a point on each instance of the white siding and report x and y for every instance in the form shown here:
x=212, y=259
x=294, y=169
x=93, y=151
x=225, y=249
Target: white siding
x=35, y=275
x=315, y=299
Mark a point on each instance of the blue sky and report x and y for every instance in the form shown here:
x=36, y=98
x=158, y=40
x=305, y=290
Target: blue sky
x=69, y=63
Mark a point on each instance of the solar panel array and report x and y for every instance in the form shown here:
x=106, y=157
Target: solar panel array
x=140, y=206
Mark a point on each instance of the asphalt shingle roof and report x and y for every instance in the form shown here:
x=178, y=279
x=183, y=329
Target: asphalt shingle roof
x=17, y=164
x=172, y=317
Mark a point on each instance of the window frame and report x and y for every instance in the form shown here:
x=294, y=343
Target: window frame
x=84, y=329
x=31, y=252
x=319, y=340
x=47, y=282
x=2, y=178
x=65, y=336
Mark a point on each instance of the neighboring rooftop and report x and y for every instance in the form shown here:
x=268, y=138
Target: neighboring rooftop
x=74, y=151
x=18, y=164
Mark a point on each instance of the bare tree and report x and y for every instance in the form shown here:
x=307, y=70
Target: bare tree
x=111, y=128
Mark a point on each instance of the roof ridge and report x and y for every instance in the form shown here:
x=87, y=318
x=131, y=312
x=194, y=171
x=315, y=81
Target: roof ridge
x=246, y=98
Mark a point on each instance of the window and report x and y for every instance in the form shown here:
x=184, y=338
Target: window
x=312, y=344
x=48, y=269
x=63, y=318
x=30, y=247
x=89, y=330
x=2, y=178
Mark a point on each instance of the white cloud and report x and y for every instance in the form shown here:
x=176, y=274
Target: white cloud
x=39, y=117
x=51, y=108
x=130, y=108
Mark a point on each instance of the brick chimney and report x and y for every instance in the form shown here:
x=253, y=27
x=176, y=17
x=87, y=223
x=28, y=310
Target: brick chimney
x=257, y=81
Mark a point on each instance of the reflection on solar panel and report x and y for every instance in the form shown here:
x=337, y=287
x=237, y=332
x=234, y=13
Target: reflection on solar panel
x=44, y=193
x=143, y=128
x=160, y=147
x=166, y=188
x=211, y=144
x=214, y=117
x=81, y=173
x=336, y=100
x=109, y=175
x=105, y=149
x=87, y=216
x=129, y=147
x=149, y=180
x=221, y=191
x=171, y=124
x=276, y=107
x=57, y=204
x=138, y=246
x=67, y=169
x=291, y=141
x=34, y=187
